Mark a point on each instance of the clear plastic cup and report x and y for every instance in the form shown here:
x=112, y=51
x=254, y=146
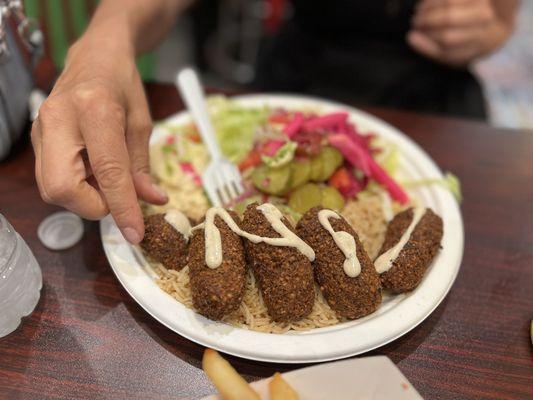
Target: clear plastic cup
x=20, y=279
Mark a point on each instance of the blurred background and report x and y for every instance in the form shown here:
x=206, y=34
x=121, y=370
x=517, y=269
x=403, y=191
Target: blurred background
x=222, y=39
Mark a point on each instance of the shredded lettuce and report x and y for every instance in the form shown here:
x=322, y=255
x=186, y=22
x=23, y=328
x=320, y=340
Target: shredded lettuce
x=194, y=153
x=170, y=128
x=235, y=126
x=450, y=182
x=391, y=159
x=284, y=155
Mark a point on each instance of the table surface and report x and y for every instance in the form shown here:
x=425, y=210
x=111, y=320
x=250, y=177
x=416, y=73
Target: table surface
x=88, y=339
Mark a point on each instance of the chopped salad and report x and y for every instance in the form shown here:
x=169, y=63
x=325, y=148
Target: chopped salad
x=296, y=159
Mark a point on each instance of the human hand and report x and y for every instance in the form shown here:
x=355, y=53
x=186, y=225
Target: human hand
x=91, y=137
x=455, y=32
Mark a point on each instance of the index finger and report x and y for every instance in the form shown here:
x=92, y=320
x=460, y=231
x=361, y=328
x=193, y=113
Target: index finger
x=102, y=125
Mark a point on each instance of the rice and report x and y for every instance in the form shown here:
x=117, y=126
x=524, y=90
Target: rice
x=367, y=218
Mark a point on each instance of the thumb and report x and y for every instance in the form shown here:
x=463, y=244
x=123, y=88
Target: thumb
x=424, y=44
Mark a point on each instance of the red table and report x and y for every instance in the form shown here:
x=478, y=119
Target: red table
x=89, y=339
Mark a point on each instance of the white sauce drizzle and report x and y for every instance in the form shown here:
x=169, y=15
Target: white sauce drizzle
x=213, y=243
x=386, y=206
x=179, y=222
x=344, y=241
x=384, y=262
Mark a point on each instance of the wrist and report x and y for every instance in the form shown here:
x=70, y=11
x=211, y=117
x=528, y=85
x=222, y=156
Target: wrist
x=101, y=43
x=107, y=37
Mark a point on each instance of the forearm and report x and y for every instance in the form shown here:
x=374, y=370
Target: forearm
x=139, y=23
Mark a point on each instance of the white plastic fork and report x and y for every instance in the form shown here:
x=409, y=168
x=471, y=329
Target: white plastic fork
x=221, y=179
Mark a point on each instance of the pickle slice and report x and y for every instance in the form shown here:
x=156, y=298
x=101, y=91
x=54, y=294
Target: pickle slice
x=272, y=180
x=331, y=160
x=305, y=197
x=331, y=198
x=300, y=173
x=316, y=168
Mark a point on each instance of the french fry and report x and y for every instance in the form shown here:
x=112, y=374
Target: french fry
x=280, y=389
x=228, y=382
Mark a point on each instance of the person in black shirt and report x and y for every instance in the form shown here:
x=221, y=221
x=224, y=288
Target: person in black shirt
x=397, y=53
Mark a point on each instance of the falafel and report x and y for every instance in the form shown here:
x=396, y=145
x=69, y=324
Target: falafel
x=164, y=243
x=349, y=297
x=217, y=292
x=284, y=274
x=408, y=268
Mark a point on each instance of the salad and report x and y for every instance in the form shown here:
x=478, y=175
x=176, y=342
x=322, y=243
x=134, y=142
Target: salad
x=296, y=159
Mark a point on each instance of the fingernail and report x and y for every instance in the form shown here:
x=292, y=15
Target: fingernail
x=131, y=235
x=160, y=191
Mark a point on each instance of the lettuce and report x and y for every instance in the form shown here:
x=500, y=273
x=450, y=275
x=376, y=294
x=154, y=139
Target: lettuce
x=235, y=126
x=284, y=155
x=449, y=181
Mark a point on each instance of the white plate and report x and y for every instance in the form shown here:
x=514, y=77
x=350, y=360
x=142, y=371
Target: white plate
x=369, y=378
x=396, y=316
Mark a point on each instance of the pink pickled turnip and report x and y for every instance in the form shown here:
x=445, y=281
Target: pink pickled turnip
x=352, y=151
x=361, y=158
x=294, y=126
x=328, y=121
x=189, y=169
x=396, y=192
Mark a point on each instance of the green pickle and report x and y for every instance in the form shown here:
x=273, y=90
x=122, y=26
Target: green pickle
x=274, y=181
x=300, y=173
x=305, y=197
x=316, y=168
x=325, y=164
x=311, y=195
x=331, y=160
x=331, y=198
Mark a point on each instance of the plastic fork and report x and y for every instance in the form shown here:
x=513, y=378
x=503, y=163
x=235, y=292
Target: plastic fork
x=221, y=179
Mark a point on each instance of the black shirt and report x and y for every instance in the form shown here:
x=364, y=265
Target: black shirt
x=356, y=51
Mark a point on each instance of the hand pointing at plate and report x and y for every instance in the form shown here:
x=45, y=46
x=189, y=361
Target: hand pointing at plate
x=456, y=32
x=91, y=135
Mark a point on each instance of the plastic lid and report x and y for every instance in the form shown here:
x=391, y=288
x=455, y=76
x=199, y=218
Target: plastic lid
x=60, y=230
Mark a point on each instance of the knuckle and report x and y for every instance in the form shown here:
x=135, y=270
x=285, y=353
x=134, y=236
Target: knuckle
x=146, y=127
x=109, y=173
x=56, y=192
x=86, y=95
x=143, y=127
x=48, y=115
x=121, y=213
x=109, y=111
x=140, y=162
x=46, y=108
x=97, y=102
